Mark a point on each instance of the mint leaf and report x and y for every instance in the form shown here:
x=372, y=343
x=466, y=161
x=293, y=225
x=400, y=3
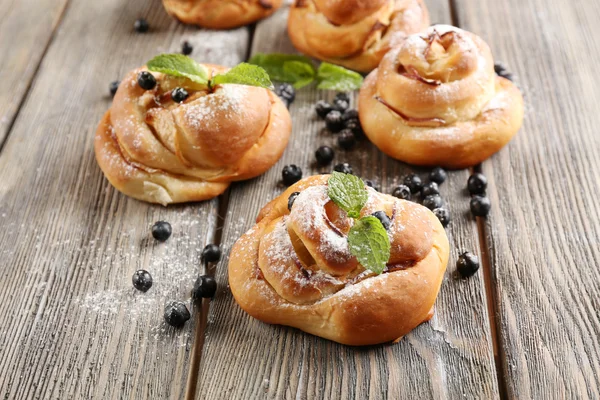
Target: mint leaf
x=299, y=73
x=369, y=243
x=334, y=77
x=244, y=74
x=179, y=65
x=290, y=68
x=348, y=192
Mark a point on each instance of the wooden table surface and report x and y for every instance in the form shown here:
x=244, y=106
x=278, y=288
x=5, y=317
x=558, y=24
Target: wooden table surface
x=526, y=326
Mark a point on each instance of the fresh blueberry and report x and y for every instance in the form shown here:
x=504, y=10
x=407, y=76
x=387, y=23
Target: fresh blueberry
x=286, y=92
x=346, y=139
x=333, y=121
x=113, y=87
x=146, y=80
x=176, y=314
x=480, y=206
x=354, y=126
x=324, y=155
x=467, y=264
x=502, y=71
x=292, y=199
x=141, y=25
x=402, y=192
x=205, y=287
x=385, y=220
x=291, y=174
x=350, y=114
x=438, y=175
x=340, y=105
x=477, y=184
x=211, y=253
x=433, y=201
x=161, y=231
x=323, y=108
x=443, y=215
x=414, y=183
x=186, y=48
x=371, y=184
x=342, y=96
x=142, y=280
x=430, y=188
x=179, y=95
x=344, y=168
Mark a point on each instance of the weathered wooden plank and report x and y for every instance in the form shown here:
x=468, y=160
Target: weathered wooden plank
x=26, y=28
x=450, y=357
x=71, y=324
x=544, y=228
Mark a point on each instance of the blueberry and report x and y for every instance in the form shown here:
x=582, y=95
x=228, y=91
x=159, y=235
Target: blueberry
x=344, y=168
x=333, y=121
x=211, y=253
x=286, y=92
x=430, y=188
x=443, y=215
x=292, y=199
x=414, y=183
x=176, y=314
x=433, y=201
x=354, y=126
x=161, y=231
x=186, y=48
x=342, y=96
x=502, y=71
x=480, y=206
x=142, y=280
x=141, y=25
x=113, y=87
x=346, y=139
x=205, y=287
x=467, y=264
x=146, y=80
x=438, y=175
x=340, y=105
x=291, y=174
x=350, y=114
x=179, y=95
x=402, y=192
x=477, y=184
x=324, y=155
x=323, y=108
x=371, y=184
x=385, y=220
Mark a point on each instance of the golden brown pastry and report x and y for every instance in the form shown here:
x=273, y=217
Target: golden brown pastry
x=157, y=150
x=294, y=268
x=220, y=14
x=354, y=33
x=435, y=100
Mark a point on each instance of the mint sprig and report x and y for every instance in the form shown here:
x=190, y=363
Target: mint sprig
x=368, y=240
x=300, y=71
x=186, y=67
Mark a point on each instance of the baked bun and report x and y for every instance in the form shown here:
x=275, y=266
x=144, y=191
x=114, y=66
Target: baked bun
x=220, y=14
x=294, y=268
x=435, y=100
x=154, y=149
x=354, y=33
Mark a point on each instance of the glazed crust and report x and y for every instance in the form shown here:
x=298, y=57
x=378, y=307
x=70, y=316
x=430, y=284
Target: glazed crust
x=354, y=33
x=156, y=150
x=221, y=14
x=436, y=101
x=273, y=277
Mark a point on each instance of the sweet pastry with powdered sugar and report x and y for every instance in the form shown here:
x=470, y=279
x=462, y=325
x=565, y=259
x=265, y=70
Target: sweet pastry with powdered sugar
x=168, y=139
x=303, y=264
x=221, y=14
x=435, y=100
x=354, y=33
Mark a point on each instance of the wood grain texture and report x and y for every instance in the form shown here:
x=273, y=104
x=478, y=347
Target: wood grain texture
x=544, y=230
x=450, y=357
x=26, y=28
x=71, y=324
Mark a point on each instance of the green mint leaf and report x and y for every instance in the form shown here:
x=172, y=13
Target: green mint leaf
x=244, y=74
x=179, y=65
x=291, y=68
x=348, y=192
x=369, y=243
x=334, y=77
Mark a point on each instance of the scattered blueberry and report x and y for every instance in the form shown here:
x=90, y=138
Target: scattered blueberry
x=341, y=105
x=502, y=71
x=443, y=215
x=371, y=184
x=323, y=108
x=480, y=206
x=414, y=183
x=113, y=87
x=205, y=287
x=161, y=231
x=342, y=96
x=179, y=95
x=291, y=174
x=292, y=199
x=385, y=220
x=433, y=201
x=430, y=188
x=211, y=253
x=354, y=126
x=438, y=175
x=141, y=25
x=346, y=139
x=286, y=92
x=176, y=314
x=333, y=121
x=467, y=264
x=402, y=192
x=186, y=48
x=324, y=155
x=142, y=280
x=350, y=114
x=477, y=184
x=146, y=80
x=344, y=168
